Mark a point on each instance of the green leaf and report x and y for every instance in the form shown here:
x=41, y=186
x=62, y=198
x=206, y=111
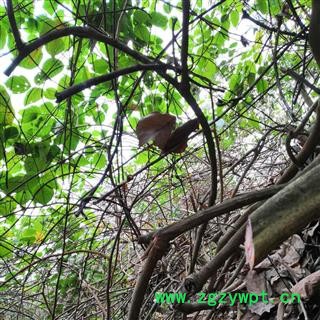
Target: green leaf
x=34, y=165
x=30, y=114
x=262, y=6
x=50, y=6
x=167, y=8
x=99, y=117
x=234, y=81
x=33, y=95
x=5, y=249
x=251, y=78
x=50, y=93
x=18, y=84
x=140, y=17
x=43, y=195
x=37, y=120
x=28, y=235
x=100, y=66
x=23, y=197
x=7, y=206
x=142, y=158
x=99, y=161
x=53, y=152
x=68, y=139
x=262, y=85
x=3, y=36
x=13, y=184
x=11, y=133
x=50, y=68
x=159, y=20
x=56, y=46
x=142, y=33
x=32, y=60
x=234, y=18
x=275, y=7
x=6, y=110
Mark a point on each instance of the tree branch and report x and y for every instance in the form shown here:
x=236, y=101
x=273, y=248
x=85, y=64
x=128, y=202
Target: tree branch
x=245, y=15
x=81, y=32
x=13, y=24
x=301, y=79
x=177, y=228
x=184, y=46
x=107, y=77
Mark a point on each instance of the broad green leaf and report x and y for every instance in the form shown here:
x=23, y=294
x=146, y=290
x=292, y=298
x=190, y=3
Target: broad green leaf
x=275, y=7
x=50, y=68
x=5, y=249
x=3, y=36
x=50, y=93
x=18, y=84
x=53, y=152
x=23, y=197
x=69, y=140
x=234, y=17
x=28, y=235
x=234, y=81
x=142, y=33
x=13, y=184
x=37, y=120
x=99, y=117
x=251, y=78
x=159, y=20
x=141, y=17
x=34, y=165
x=167, y=7
x=11, y=133
x=262, y=6
x=99, y=161
x=83, y=74
x=100, y=66
x=33, y=95
x=7, y=206
x=43, y=194
x=6, y=110
x=50, y=6
x=55, y=47
x=32, y=60
x=262, y=85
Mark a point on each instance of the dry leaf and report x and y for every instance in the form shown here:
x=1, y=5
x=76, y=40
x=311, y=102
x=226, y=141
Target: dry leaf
x=293, y=250
x=260, y=308
x=157, y=127
x=178, y=140
x=307, y=286
x=255, y=282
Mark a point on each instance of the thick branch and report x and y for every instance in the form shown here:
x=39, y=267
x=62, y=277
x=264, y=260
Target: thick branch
x=107, y=77
x=286, y=213
x=156, y=250
x=301, y=79
x=81, y=32
x=314, y=33
x=13, y=24
x=266, y=27
x=184, y=46
x=175, y=229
